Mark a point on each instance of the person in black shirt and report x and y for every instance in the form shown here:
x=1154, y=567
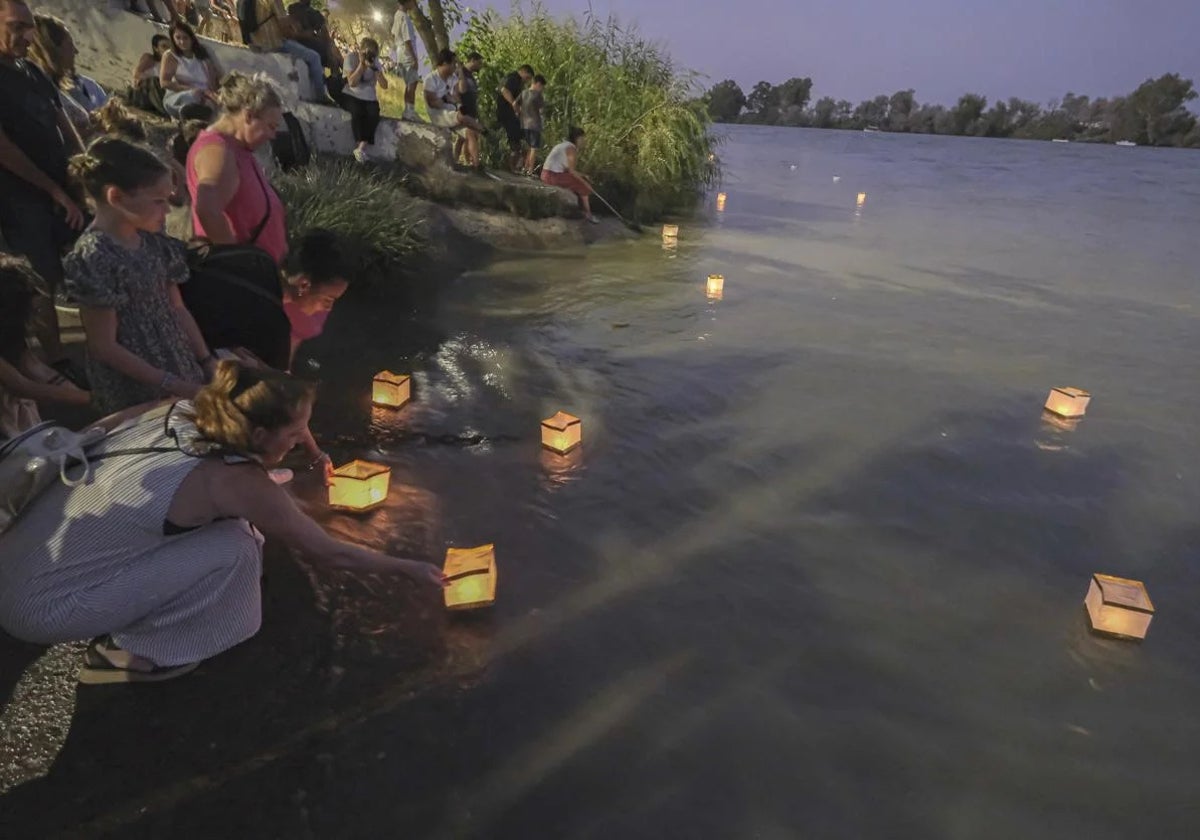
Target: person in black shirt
x=314, y=34
x=38, y=218
x=506, y=111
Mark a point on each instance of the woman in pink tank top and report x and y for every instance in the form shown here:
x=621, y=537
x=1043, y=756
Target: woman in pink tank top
x=232, y=201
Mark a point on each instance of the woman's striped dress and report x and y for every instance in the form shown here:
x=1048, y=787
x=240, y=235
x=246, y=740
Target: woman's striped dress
x=94, y=559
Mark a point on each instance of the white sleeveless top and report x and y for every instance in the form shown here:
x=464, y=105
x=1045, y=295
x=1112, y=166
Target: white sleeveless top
x=190, y=71
x=556, y=161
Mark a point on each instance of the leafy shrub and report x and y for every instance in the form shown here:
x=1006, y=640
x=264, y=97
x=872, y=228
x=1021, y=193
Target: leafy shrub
x=648, y=147
x=368, y=206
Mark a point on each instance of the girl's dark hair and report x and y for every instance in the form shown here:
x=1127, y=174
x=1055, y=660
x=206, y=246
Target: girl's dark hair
x=198, y=49
x=154, y=42
x=319, y=256
x=20, y=285
x=114, y=162
x=369, y=45
x=181, y=142
x=574, y=133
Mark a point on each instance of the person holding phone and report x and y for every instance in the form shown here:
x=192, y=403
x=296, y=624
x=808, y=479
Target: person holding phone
x=361, y=97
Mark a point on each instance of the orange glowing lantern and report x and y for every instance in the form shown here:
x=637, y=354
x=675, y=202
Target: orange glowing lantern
x=562, y=433
x=390, y=389
x=471, y=577
x=359, y=486
x=862, y=199
x=1119, y=607
x=716, y=285
x=670, y=232
x=1070, y=403
x=721, y=202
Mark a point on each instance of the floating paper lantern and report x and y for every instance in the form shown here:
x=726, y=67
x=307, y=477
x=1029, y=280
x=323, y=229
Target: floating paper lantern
x=562, y=432
x=862, y=199
x=391, y=389
x=837, y=178
x=1119, y=607
x=720, y=201
x=1070, y=403
x=716, y=285
x=359, y=486
x=670, y=232
x=471, y=577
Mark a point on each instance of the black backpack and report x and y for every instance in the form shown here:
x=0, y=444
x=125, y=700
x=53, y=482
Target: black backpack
x=235, y=295
x=290, y=146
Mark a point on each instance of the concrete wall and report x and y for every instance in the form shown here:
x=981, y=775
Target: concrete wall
x=110, y=40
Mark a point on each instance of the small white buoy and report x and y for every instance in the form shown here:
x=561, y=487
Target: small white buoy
x=837, y=178
x=793, y=167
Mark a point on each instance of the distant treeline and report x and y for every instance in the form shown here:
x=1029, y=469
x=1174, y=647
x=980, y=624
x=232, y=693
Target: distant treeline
x=1153, y=115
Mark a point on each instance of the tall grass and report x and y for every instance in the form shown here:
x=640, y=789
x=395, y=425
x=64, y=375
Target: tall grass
x=648, y=147
x=381, y=223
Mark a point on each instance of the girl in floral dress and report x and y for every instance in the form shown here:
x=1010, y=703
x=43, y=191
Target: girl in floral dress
x=125, y=273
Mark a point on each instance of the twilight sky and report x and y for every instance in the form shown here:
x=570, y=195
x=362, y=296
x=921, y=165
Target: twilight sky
x=855, y=49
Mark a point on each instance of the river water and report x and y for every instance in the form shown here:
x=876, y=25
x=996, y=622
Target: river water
x=818, y=569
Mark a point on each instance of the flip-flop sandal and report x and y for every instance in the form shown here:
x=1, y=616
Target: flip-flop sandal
x=104, y=663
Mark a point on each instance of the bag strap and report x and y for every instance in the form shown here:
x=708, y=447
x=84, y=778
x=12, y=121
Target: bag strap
x=246, y=285
x=267, y=198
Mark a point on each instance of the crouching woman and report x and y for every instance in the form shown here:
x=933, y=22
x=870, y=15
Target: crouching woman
x=158, y=556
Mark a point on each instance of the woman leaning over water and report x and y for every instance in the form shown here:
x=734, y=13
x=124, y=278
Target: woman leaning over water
x=159, y=555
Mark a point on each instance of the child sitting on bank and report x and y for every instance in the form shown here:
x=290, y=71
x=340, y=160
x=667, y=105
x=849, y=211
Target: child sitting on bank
x=125, y=273
x=25, y=380
x=531, y=103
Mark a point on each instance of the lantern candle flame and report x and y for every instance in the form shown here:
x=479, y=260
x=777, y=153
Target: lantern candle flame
x=562, y=432
x=391, y=389
x=1119, y=607
x=670, y=232
x=471, y=577
x=359, y=486
x=1069, y=403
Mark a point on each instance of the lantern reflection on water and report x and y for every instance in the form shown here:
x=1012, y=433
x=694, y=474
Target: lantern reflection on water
x=471, y=577
x=862, y=199
x=390, y=389
x=562, y=432
x=359, y=486
x=1070, y=403
x=1119, y=607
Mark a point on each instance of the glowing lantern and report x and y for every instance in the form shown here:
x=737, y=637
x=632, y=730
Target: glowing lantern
x=670, y=232
x=562, y=433
x=862, y=199
x=471, y=575
x=1119, y=607
x=721, y=202
x=390, y=389
x=359, y=486
x=1071, y=403
x=716, y=285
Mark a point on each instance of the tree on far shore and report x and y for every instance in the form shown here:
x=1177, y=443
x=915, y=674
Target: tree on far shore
x=1154, y=114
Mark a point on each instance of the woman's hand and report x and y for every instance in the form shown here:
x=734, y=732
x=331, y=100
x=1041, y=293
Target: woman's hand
x=424, y=573
x=74, y=214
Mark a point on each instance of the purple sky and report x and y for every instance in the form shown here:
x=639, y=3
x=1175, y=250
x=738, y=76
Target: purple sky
x=854, y=49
